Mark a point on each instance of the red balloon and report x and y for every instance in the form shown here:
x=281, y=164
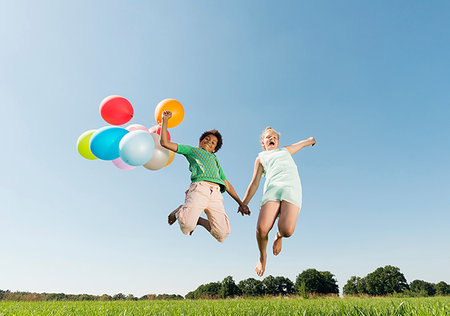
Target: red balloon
x=157, y=129
x=116, y=110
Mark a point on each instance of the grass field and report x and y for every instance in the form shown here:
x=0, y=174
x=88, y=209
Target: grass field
x=278, y=306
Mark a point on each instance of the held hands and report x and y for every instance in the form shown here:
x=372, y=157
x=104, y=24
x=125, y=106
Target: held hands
x=244, y=210
x=166, y=115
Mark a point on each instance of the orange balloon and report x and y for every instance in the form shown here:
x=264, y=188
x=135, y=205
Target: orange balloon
x=173, y=106
x=171, y=157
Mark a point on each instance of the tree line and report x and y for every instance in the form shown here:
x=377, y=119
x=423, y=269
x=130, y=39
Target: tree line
x=383, y=281
x=309, y=281
x=389, y=280
x=27, y=296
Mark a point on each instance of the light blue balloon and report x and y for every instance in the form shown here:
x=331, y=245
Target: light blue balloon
x=136, y=148
x=104, y=143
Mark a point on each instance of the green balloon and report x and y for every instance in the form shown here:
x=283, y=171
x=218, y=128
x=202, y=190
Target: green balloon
x=83, y=145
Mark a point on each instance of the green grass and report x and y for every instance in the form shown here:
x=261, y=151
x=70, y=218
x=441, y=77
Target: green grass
x=278, y=306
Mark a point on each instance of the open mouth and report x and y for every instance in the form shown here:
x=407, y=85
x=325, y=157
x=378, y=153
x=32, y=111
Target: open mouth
x=272, y=143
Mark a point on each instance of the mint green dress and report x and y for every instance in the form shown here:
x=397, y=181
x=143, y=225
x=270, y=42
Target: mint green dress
x=282, y=179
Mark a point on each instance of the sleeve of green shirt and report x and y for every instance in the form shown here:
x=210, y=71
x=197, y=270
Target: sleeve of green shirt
x=184, y=149
x=221, y=173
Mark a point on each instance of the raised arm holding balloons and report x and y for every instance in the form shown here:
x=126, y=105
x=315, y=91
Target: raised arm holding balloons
x=208, y=182
x=164, y=139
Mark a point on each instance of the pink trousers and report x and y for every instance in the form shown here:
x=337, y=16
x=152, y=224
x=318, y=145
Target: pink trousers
x=204, y=196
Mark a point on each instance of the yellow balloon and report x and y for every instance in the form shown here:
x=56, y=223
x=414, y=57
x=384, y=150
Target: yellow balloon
x=173, y=106
x=83, y=145
x=171, y=157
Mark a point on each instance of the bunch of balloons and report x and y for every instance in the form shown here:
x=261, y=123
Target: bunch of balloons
x=134, y=145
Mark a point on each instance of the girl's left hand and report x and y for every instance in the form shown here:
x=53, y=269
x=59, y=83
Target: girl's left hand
x=244, y=210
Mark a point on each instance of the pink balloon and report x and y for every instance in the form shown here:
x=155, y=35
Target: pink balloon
x=119, y=163
x=136, y=127
x=157, y=129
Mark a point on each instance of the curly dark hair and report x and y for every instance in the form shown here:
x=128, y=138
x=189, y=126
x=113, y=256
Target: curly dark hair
x=215, y=133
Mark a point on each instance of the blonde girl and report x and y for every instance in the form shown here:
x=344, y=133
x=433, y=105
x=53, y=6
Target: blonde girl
x=282, y=197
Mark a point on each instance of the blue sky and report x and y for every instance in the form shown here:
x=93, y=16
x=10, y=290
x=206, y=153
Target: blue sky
x=369, y=80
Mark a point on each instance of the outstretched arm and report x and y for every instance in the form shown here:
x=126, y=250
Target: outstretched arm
x=254, y=184
x=242, y=208
x=303, y=143
x=164, y=139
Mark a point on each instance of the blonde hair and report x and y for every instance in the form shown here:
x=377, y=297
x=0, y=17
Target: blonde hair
x=266, y=130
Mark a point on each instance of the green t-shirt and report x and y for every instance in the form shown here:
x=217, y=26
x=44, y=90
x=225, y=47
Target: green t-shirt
x=203, y=165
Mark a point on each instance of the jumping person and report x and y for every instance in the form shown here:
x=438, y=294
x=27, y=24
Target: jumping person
x=208, y=184
x=282, y=197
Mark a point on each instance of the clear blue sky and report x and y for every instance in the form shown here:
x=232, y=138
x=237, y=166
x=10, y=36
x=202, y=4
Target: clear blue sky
x=369, y=80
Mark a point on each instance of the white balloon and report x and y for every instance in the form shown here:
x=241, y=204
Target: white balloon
x=136, y=147
x=160, y=155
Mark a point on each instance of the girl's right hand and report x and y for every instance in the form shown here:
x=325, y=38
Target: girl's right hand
x=166, y=115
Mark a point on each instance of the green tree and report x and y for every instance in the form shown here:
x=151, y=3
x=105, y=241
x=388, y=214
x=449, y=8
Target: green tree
x=386, y=280
x=169, y=297
x=361, y=286
x=251, y=287
x=118, y=297
x=351, y=288
x=55, y=297
x=422, y=287
x=209, y=290
x=442, y=288
x=317, y=282
x=330, y=285
x=301, y=290
x=105, y=297
x=131, y=297
x=284, y=286
x=87, y=297
x=228, y=288
x=311, y=278
x=269, y=286
x=150, y=297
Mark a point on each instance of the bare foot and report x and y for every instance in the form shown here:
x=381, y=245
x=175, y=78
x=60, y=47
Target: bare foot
x=261, y=266
x=277, y=244
x=172, y=218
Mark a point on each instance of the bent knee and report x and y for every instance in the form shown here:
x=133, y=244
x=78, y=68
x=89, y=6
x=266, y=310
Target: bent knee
x=187, y=229
x=220, y=236
x=221, y=239
x=286, y=232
